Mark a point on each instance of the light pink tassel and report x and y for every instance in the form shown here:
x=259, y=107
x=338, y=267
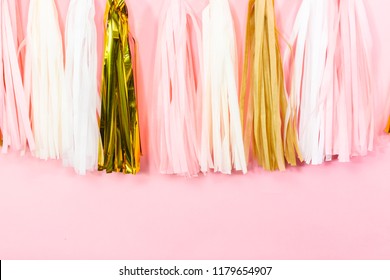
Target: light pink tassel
x=1, y=81
x=355, y=102
x=330, y=86
x=177, y=85
x=15, y=123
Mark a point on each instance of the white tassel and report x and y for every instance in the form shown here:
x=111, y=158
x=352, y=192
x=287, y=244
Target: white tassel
x=221, y=143
x=80, y=131
x=314, y=52
x=332, y=80
x=44, y=76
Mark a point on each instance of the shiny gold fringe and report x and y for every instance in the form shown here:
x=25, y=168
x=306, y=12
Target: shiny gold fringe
x=388, y=127
x=119, y=128
x=266, y=104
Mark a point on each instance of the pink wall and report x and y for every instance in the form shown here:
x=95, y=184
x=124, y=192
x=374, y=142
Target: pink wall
x=332, y=211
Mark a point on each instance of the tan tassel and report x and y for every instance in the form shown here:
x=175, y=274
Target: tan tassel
x=266, y=103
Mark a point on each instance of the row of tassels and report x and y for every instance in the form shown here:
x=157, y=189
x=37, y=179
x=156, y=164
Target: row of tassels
x=197, y=109
x=203, y=119
x=54, y=108
x=325, y=109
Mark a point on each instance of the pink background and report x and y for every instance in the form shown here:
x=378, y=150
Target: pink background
x=332, y=211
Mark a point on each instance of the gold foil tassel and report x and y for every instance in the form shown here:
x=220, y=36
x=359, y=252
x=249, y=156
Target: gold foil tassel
x=119, y=128
x=388, y=127
x=263, y=95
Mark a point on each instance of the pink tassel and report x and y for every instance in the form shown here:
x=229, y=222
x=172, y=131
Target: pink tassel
x=177, y=85
x=355, y=106
x=15, y=123
x=1, y=81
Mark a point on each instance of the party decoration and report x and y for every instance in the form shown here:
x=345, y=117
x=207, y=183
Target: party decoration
x=44, y=77
x=263, y=101
x=15, y=126
x=178, y=86
x=222, y=146
x=354, y=111
x=313, y=83
x=80, y=130
x=331, y=80
x=119, y=128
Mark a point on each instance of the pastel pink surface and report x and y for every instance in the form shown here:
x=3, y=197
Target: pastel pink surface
x=333, y=211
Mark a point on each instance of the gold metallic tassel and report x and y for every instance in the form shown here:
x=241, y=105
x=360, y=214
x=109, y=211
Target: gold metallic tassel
x=388, y=127
x=119, y=128
x=266, y=104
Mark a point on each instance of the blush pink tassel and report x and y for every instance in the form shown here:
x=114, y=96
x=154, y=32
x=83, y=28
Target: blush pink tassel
x=355, y=113
x=177, y=84
x=15, y=124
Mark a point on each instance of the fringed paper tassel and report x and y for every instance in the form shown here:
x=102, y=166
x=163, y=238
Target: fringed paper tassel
x=177, y=88
x=387, y=107
x=15, y=126
x=312, y=86
x=119, y=128
x=263, y=80
x=331, y=80
x=2, y=89
x=222, y=146
x=44, y=77
x=354, y=113
x=80, y=130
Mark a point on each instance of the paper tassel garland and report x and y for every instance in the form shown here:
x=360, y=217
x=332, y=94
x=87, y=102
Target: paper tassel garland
x=119, y=128
x=222, y=146
x=177, y=88
x=80, y=130
x=44, y=77
x=266, y=106
x=15, y=127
